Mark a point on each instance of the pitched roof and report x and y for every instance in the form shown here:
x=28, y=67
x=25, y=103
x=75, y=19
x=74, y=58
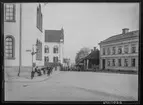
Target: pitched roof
x=121, y=36
x=93, y=55
x=53, y=35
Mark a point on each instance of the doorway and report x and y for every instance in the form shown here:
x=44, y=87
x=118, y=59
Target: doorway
x=103, y=64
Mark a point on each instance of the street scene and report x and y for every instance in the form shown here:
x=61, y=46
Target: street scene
x=71, y=51
x=73, y=86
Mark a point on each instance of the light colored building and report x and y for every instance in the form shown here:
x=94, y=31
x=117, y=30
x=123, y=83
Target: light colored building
x=66, y=62
x=120, y=52
x=54, y=41
x=23, y=32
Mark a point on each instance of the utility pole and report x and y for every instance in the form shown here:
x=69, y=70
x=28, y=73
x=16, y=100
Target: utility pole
x=20, y=30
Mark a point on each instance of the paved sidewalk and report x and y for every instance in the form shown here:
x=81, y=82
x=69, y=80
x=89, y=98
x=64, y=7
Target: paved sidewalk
x=35, y=79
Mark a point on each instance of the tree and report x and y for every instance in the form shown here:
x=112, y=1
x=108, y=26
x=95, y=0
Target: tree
x=82, y=53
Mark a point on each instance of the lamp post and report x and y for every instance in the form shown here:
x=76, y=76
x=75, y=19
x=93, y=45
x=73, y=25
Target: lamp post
x=32, y=53
x=61, y=40
x=60, y=61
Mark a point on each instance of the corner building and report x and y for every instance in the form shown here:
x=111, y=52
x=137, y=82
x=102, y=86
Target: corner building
x=120, y=52
x=23, y=32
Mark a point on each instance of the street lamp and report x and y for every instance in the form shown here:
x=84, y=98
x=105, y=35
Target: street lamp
x=33, y=53
x=61, y=40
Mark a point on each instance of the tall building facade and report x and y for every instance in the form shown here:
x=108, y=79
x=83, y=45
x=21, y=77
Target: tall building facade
x=53, y=46
x=23, y=33
x=120, y=52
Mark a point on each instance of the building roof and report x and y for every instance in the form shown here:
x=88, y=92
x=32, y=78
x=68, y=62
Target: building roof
x=121, y=36
x=93, y=55
x=54, y=35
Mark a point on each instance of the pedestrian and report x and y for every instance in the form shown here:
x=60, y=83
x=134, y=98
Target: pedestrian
x=51, y=69
x=48, y=71
x=32, y=74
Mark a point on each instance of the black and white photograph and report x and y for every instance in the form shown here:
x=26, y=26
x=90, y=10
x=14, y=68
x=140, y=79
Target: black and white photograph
x=71, y=51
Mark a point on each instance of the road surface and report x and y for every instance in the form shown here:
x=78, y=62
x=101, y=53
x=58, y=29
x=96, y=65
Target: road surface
x=61, y=87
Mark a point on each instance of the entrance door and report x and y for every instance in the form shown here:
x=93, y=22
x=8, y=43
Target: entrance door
x=103, y=64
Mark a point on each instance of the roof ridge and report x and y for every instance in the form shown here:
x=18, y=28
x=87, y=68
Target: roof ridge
x=120, y=35
x=52, y=30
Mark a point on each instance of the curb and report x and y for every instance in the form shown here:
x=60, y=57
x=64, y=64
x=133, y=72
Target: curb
x=32, y=80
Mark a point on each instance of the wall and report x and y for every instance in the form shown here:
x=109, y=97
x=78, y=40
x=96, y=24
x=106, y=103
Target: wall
x=30, y=33
x=51, y=54
x=12, y=28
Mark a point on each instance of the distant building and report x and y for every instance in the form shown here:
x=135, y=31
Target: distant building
x=120, y=52
x=66, y=62
x=23, y=28
x=90, y=61
x=53, y=46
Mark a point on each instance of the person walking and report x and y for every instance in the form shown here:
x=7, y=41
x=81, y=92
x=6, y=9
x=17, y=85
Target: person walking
x=48, y=71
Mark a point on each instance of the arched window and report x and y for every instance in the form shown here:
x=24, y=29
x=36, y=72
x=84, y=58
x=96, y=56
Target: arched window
x=55, y=49
x=9, y=47
x=46, y=49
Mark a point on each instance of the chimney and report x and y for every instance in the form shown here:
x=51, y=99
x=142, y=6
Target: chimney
x=91, y=50
x=94, y=48
x=125, y=30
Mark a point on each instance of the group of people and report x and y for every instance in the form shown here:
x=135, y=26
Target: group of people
x=40, y=71
x=71, y=69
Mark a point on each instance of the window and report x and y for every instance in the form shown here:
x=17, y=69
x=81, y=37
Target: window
x=46, y=49
x=133, y=62
x=9, y=47
x=113, y=50
x=55, y=49
x=46, y=59
x=126, y=62
x=119, y=62
x=39, y=18
x=113, y=62
x=10, y=12
x=126, y=49
x=108, y=51
x=41, y=21
x=120, y=50
x=108, y=63
x=133, y=49
x=103, y=51
x=55, y=59
x=38, y=50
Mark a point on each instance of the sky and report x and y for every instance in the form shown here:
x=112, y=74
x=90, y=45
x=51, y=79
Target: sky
x=86, y=24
